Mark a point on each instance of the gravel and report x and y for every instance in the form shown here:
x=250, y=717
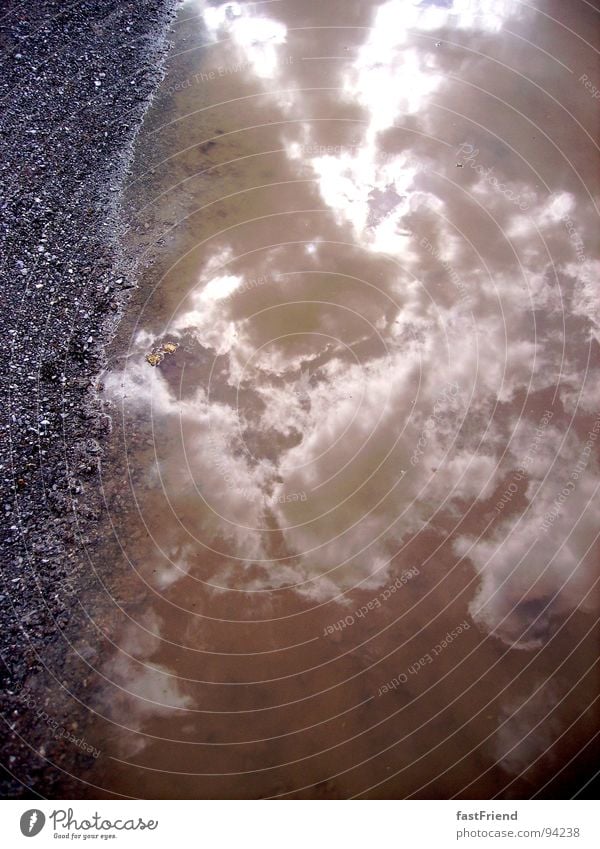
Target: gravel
x=75, y=83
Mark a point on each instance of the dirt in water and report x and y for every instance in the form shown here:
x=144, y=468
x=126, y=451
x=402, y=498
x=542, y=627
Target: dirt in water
x=355, y=403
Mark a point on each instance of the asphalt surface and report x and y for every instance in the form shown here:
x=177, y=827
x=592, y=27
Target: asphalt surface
x=75, y=82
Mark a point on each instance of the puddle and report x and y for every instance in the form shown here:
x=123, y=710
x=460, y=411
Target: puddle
x=353, y=541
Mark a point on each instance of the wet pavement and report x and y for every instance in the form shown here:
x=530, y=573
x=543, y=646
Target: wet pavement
x=353, y=503
x=75, y=82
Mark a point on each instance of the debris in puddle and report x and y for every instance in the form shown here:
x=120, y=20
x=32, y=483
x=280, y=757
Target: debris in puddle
x=157, y=355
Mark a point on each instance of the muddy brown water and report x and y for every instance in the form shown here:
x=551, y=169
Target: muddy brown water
x=353, y=516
